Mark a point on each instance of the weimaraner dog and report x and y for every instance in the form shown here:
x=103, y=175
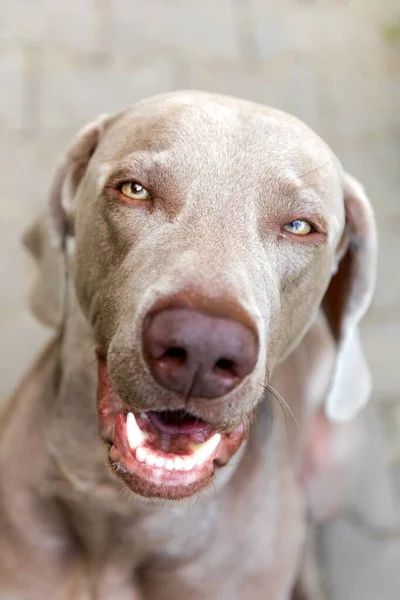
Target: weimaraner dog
x=204, y=262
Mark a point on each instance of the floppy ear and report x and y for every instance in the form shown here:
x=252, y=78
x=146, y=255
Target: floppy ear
x=346, y=301
x=46, y=295
x=46, y=239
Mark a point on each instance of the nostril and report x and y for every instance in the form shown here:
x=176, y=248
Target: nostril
x=209, y=355
x=177, y=356
x=225, y=367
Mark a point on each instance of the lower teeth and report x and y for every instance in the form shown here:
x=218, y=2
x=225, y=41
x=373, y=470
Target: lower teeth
x=201, y=452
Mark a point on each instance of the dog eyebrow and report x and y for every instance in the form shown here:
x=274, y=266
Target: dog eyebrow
x=300, y=195
x=303, y=202
x=309, y=208
x=138, y=165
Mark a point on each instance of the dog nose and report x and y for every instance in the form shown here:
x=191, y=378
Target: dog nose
x=196, y=354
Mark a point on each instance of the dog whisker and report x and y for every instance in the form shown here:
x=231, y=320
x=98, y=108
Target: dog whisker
x=314, y=169
x=268, y=387
x=92, y=348
x=191, y=387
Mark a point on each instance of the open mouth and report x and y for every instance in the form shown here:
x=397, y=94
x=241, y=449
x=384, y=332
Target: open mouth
x=161, y=454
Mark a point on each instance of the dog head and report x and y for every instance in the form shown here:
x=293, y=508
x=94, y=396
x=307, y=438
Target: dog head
x=208, y=232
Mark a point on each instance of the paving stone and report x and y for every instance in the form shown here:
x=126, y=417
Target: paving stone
x=28, y=165
x=75, y=93
x=50, y=23
x=13, y=267
x=373, y=498
x=381, y=343
x=387, y=294
x=12, y=80
x=361, y=549
x=320, y=25
x=21, y=21
x=390, y=417
x=174, y=24
x=360, y=567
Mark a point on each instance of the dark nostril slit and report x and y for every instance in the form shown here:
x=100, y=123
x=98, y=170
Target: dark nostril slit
x=188, y=350
x=178, y=355
x=226, y=365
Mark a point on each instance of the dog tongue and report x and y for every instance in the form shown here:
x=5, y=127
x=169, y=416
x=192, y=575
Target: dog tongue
x=173, y=431
x=179, y=422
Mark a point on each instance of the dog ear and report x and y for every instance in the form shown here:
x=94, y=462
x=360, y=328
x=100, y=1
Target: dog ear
x=47, y=238
x=346, y=301
x=46, y=295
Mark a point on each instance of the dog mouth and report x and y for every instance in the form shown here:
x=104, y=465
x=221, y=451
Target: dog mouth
x=169, y=454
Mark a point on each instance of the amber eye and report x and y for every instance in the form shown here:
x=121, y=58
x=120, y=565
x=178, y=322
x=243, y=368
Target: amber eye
x=299, y=227
x=135, y=191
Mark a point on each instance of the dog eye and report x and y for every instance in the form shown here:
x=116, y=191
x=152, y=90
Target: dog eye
x=299, y=227
x=135, y=191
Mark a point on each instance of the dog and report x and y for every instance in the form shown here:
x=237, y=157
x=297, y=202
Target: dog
x=204, y=262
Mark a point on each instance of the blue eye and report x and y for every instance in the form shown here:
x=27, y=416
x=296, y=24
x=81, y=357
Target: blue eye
x=299, y=227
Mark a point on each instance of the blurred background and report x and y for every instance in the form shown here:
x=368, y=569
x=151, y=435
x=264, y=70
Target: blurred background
x=333, y=63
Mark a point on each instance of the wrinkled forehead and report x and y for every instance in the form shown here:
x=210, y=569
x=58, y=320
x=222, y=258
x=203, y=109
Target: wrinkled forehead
x=219, y=137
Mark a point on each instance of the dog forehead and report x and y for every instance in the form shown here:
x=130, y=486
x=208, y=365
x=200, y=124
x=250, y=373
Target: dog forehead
x=201, y=129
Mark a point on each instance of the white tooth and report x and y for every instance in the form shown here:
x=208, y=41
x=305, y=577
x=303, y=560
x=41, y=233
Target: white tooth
x=141, y=454
x=169, y=464
x=178, y=463
x=151, y=459
x=160, y=462
x=135, y=435
x=188, y=464
x=203, y=451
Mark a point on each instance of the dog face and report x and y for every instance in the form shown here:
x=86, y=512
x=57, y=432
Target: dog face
x=207, y=230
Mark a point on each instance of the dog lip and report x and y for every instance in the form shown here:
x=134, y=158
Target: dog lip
x=101, y=355
x=144, y=479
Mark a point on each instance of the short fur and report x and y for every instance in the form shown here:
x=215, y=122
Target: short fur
x=227, y=174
